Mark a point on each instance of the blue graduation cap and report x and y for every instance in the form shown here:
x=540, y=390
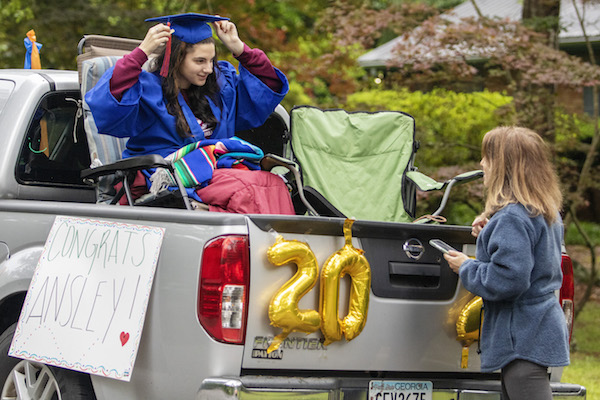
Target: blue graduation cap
x=189, y=27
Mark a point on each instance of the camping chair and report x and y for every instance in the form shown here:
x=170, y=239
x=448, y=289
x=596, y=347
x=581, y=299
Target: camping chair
x=96, y=55
x=362, y=163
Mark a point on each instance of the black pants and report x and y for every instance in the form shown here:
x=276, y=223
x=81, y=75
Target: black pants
x=524, y=380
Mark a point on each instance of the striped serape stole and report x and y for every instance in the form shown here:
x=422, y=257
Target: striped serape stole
x=194, y=163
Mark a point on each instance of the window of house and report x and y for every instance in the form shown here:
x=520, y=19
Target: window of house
x=588, y=100
x=55, y=148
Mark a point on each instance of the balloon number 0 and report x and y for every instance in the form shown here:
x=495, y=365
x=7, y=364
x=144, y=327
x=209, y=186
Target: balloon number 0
x=283, y=308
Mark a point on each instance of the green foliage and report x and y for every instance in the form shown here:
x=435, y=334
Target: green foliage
x=60, y=24
x=14, y=10
x=443, y=4
x=572, y=128
x=295, y=96
x=572, y=235
x=584, y=371
x=449, y=125
x=585, y=356
x=11, y=12
x=327, y=73
x=574, y=133
x=587, y=330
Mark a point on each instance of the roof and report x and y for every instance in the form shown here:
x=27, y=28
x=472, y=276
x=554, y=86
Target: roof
x=511, y=9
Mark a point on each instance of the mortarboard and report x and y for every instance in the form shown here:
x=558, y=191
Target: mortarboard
x=190, y=28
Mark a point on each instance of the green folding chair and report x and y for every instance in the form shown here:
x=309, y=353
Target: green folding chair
x=362, y=163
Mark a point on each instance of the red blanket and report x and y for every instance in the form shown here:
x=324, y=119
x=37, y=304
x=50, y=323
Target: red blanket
x=247, y=192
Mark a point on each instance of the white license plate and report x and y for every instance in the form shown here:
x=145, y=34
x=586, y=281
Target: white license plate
x=400, y=390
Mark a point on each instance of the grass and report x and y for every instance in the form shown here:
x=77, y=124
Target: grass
x=572, y=235
x=585, y=353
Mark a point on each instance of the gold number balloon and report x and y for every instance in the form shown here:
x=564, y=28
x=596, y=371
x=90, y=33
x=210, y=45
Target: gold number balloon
x=348, y=260
x=283, y=309
x=467, y=327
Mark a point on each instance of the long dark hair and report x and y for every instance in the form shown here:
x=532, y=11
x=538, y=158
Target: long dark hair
x=196, y=95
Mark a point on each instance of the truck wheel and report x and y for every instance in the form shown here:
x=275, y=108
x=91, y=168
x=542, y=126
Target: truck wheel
x=23, y=379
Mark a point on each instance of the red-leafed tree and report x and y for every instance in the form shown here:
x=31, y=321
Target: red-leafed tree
x=523, y=58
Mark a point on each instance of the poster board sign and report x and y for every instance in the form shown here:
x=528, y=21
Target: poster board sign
x=87, y=300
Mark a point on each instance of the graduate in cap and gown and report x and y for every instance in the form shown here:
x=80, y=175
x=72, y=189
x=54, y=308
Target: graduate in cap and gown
x=188, y=99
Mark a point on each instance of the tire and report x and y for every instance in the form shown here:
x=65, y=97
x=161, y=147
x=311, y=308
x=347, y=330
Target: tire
x=23, y=379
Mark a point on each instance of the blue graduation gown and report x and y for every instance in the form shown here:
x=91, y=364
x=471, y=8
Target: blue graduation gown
x=141, y=115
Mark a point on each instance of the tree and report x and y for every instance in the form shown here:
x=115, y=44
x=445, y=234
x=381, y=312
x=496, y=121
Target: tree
x=357, y=25
x=528, y=63
x=440, y=51
x=585, y=177
x=60, y=24
x=542, y=16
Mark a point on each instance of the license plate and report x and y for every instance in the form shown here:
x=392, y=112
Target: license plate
x=400, y=390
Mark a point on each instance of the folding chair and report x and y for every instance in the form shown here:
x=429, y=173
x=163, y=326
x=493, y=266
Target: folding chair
x=362, y=162
x=97, y=55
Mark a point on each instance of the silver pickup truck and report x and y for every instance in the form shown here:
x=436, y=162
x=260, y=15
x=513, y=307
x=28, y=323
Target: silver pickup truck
x=408, y=348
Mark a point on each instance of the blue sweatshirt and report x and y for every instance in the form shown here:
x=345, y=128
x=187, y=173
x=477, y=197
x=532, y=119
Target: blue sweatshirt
x=517, y=272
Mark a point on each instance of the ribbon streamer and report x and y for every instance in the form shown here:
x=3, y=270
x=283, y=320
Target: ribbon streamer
x=467, y=327
x=32, y=56
x=348, y=260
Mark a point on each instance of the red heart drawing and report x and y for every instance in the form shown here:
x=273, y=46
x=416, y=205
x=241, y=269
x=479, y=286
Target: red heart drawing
x=124, y=338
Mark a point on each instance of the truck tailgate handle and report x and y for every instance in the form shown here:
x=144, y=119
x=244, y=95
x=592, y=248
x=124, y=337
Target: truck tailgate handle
x=414, y=269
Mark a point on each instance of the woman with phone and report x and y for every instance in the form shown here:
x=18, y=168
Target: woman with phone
x=517, y=268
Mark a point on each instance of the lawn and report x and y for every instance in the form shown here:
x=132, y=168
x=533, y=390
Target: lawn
x=585, y=352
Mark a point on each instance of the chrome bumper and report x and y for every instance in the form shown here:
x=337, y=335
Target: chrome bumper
x=283, y=388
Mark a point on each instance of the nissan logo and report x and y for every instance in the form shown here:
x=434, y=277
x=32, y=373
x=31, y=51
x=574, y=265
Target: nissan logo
x=413, y=248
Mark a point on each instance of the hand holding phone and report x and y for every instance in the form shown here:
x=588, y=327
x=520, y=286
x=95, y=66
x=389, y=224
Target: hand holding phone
x=441, y=245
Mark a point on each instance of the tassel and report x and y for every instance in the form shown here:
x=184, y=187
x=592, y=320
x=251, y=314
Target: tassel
x=44, y=137
x=164, y=70
x=464, y=359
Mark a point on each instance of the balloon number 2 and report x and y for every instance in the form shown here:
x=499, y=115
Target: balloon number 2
x=283, y=308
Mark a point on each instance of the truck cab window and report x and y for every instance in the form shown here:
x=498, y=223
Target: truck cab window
x=55, y=148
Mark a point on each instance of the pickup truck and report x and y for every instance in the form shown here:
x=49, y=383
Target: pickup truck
x=408, y=345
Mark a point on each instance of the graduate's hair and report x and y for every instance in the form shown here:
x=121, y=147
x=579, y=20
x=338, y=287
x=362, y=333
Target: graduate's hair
x=196, y=94
x=520, y=170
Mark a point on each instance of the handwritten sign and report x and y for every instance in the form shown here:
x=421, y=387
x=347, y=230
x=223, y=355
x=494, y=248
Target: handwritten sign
x=87, y=300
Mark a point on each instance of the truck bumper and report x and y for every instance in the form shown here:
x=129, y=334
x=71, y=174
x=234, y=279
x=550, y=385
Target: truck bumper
x=280, y=388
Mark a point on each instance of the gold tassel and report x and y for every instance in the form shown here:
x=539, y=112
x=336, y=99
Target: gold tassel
x=464, y=359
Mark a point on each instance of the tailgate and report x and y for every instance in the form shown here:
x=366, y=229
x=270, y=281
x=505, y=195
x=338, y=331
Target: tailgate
x=415, y=298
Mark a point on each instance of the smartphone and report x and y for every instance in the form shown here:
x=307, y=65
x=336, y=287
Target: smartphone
x=441, y=245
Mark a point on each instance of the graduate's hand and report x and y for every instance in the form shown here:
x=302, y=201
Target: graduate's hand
x=156, y=36
x=227, y=32
x=455, y=259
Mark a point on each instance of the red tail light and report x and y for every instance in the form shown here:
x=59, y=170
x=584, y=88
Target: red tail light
x=567, y=292
x=223, y=292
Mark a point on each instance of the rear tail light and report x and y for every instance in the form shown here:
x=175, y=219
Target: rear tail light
x=567, y=292
x=223, y=292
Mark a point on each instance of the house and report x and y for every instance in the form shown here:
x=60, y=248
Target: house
x=571, y=38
